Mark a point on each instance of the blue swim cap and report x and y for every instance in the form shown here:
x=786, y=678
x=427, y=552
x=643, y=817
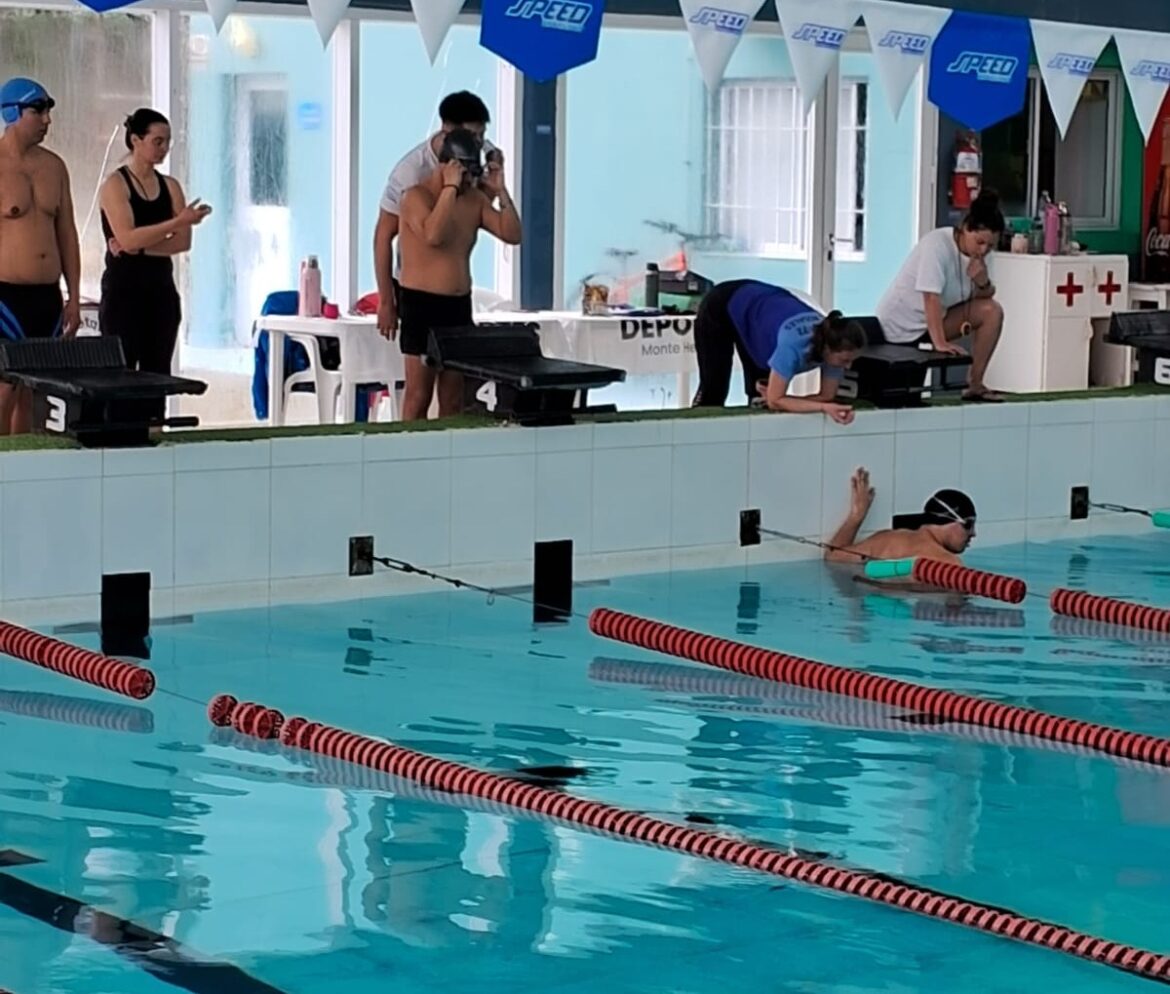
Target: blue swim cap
x=19, y=94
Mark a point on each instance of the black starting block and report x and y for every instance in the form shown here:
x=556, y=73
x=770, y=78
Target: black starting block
x=1148, y=334
x=890, y=375
x=83, y=390
x=507, y=376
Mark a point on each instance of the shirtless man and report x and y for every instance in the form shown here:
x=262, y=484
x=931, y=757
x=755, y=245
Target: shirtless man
x=951, y=527
x=38, y=237
x=441, y=218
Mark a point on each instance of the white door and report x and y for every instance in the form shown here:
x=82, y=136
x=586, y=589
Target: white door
x=262, y=238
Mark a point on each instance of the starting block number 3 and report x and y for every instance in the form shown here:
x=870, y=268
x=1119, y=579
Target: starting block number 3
x=1162, y=371
x=486, y=395
x=56, y=417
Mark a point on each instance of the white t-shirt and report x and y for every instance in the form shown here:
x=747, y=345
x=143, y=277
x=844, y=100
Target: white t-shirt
x=934, y=265
x=412, y=169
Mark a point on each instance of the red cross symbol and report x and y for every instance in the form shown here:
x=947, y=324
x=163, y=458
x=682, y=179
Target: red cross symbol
x=1109, y=288
x=1070, y=290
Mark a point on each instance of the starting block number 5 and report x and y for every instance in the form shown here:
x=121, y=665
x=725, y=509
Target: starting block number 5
x=1162, y=371
x=56, y=418
x=486, y=395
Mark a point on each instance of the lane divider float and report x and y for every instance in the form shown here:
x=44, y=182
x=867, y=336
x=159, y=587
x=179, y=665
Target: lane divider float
x=441, y=774
x=89, y=667
x=813, y=675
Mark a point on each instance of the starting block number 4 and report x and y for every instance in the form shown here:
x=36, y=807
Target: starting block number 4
x=1162, y=371
x=486, y=395
x=55, y=421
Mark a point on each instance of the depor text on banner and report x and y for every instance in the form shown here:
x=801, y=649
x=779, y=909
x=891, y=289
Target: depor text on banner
x=814, y=31
x=979, y=68
x=542, y=38
x=1145, y=61
x=1066, y=54
x=715, y=30
x=900, y=37
x=434, y=19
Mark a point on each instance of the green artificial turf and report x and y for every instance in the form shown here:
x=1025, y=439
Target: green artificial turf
x=25, y=443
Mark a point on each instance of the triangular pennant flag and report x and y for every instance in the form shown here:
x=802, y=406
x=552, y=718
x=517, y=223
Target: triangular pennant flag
x=1066, y=54
x=434, y=18
x=219, y=11
x=327, y=14
x=814, y=31
x=900, y=36
x=715, y=32
x=1147, y=72
x=104, y=6
x=979, y=68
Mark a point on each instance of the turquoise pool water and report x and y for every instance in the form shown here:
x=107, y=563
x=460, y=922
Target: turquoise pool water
x=312, y=878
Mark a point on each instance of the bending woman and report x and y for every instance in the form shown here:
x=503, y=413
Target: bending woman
x=943, y=292
x=777, y=336
x=146, y=221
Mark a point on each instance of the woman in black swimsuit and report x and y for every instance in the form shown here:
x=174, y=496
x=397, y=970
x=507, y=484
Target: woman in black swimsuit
x=146, y=220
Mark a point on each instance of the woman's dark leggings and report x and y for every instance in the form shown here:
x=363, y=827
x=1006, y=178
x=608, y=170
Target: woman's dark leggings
x=716, y=339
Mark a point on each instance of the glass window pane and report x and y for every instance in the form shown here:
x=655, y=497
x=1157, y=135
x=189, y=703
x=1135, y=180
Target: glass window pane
x=400, y=93
x=255, y=142
x=86, y=132
x=1082, y=158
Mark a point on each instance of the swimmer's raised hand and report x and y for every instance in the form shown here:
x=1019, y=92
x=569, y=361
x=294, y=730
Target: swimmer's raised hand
x=861, y=493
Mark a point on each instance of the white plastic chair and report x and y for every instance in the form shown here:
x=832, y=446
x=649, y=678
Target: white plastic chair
x=325, y=382
x=367, y=357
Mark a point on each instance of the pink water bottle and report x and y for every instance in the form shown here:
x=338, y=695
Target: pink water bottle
x=1051, y=229
x=309, y=290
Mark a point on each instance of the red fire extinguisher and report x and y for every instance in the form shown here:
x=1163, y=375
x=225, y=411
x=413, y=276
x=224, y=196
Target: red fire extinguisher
x=967, y=176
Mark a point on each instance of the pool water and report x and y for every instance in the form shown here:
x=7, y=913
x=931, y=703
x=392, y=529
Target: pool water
x=275, y=871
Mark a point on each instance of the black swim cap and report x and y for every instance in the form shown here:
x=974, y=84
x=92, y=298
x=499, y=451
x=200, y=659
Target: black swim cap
x=462, y=146
x=948, y=506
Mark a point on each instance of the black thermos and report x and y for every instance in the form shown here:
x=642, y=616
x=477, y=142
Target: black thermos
x=651, y=284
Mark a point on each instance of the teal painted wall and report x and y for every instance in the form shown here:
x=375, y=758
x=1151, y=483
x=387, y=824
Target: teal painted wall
x=635, y=152
x=400, y=95
x=281, y=49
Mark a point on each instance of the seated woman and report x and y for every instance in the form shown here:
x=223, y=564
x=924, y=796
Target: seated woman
x=777, y=336
x=943, y=292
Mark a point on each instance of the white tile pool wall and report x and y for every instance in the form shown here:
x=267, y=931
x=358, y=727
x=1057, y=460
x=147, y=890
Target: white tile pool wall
x=225, y=524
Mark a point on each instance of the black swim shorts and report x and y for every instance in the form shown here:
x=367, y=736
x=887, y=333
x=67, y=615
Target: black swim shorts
x=419, y=312
x=30, y=310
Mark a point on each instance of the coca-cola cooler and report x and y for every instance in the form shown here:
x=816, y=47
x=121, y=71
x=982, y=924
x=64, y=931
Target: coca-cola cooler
x=1155, y=267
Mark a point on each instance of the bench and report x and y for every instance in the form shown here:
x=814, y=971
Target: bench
x=507, y=376
x=888, y=375
x=82, y=390
x=1148, y=334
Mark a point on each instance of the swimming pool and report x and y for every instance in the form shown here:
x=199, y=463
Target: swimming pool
x=312, y=876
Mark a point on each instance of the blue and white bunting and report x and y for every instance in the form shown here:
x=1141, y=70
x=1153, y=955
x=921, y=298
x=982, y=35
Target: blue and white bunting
x=715, y=30
x=1066, y=54
x=900, y=37
x=1145, y=61
x=814, y=31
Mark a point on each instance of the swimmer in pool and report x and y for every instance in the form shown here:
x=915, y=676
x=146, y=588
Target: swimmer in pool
x=949, y=529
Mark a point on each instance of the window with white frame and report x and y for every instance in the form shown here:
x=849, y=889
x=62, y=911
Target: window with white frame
x=758, y=152
x=1025, y=156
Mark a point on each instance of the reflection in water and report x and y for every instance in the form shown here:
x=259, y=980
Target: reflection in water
x=84, y=711
x=325, y=878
